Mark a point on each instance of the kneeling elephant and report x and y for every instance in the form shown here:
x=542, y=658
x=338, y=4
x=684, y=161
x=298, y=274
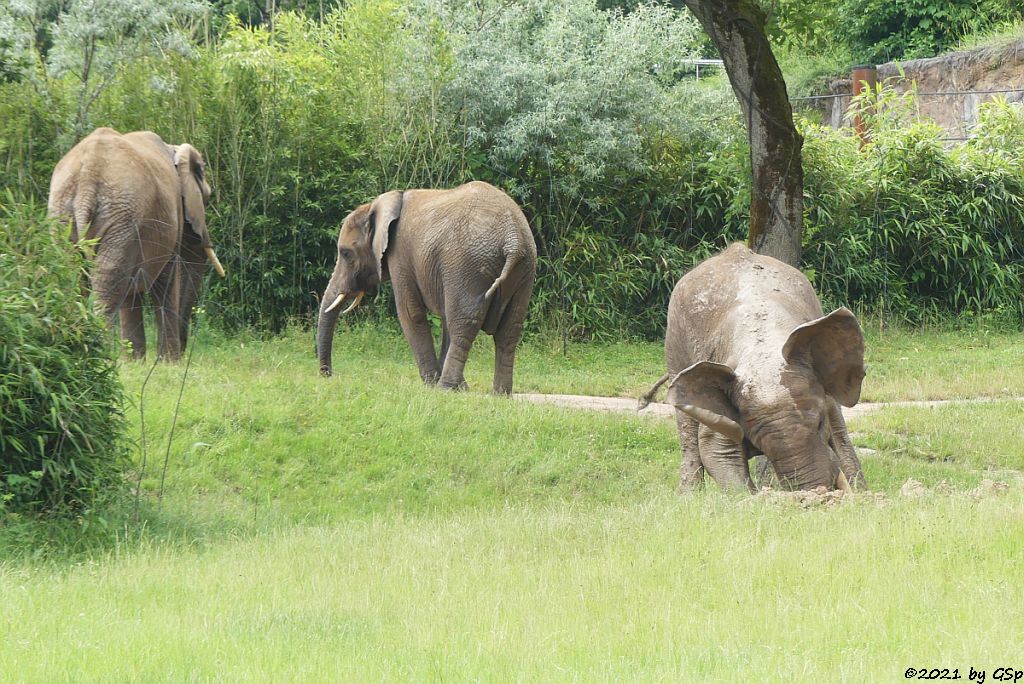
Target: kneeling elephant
x=756, y=368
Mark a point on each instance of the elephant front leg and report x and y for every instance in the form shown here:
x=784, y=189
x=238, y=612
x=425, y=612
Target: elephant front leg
x=843, y=447
x=416, y=328
x=724, y=460
x=446, y=342
x=691, y=472
x=133, y=328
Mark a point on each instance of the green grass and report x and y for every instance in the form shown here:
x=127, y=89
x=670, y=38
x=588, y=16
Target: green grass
x=943, y=364
x=258, y=431
x=940, y=440
x=666, y=589
x=996, y=37
x=364, y=527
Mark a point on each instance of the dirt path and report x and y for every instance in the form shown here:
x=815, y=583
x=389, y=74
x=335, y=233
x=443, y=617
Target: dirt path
x=660, y=410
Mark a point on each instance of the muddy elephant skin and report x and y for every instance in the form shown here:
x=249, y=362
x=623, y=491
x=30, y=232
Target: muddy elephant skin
x=755, y=367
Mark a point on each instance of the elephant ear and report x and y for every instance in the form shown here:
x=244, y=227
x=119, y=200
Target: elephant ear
x=833, y=346
x=194, y=190
x=384, y=211
x=702, y=392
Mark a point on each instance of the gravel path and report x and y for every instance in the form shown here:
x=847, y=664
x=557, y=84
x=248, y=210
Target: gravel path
x=660, y=410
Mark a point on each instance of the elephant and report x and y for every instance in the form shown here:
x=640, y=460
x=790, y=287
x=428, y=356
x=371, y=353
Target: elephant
x=134, y=195
x=465, y=254
x=756, y=368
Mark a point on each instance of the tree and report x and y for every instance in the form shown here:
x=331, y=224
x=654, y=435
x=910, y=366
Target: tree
x=76, y=49
x=737, y=28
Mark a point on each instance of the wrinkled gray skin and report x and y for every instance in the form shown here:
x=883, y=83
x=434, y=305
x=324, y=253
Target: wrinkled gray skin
x=144, y=201
x=465, y=254
x=755, y=367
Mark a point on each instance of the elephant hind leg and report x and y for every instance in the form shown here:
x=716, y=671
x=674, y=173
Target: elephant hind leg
x=114, y=291
x=462, y=333
x=506, y=338
x=166, y=299
x=133, y=327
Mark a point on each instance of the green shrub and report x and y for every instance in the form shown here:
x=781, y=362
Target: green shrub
x=910, y=226
x=628, y=170
x=881, y=30
x=61, y=427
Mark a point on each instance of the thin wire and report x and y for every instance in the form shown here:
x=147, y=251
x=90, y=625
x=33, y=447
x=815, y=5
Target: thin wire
x=932, y=94
x=181, y=390
x=142, y=439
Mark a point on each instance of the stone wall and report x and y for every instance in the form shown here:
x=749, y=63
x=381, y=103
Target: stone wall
x=984, y=69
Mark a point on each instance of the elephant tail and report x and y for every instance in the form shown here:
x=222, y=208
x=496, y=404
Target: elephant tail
x=509, y=260
x=513, y=253
x=649, y=397
x=84, y=210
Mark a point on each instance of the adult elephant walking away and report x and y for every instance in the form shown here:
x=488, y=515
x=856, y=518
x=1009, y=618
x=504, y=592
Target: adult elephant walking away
x=144, y=202
x=755, y=367
x=465, y=254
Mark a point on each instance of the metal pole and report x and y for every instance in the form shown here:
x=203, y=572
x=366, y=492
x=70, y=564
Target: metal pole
x=864, y=76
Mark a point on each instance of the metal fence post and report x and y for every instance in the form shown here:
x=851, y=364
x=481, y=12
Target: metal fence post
x=864, y=76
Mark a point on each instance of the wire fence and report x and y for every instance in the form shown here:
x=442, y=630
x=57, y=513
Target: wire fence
x=964, y=124
x=920, y=94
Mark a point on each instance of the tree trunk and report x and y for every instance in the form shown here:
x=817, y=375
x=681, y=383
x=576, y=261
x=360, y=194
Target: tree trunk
x=776, y=205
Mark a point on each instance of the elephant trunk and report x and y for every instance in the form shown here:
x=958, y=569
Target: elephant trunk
x=808, y=472
x=326, y=323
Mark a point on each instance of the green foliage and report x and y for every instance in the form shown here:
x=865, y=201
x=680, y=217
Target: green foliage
x=71, y=52
x=61, y=427
x=628, y=171
x=812, y=26
x=882, y=31
x=911, y=226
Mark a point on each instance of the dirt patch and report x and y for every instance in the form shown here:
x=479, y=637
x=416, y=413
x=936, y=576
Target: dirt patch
x=660, y=410
x=610, y=404
x=987, y=488
x=819, y=497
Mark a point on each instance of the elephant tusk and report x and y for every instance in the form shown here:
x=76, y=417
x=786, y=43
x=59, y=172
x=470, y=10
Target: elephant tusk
x=359, y=298
x=215, y=261
x=843, y=484
x=336, y=302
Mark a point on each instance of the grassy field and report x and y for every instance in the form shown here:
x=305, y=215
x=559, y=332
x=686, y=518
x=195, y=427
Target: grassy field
x=364, y=527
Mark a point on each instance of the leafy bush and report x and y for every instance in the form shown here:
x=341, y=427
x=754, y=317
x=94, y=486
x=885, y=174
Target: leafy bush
x=628, y=170
x=882, y=30
x=61, y=428
x=910, y=226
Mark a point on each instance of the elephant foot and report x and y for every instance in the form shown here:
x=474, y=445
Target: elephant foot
x=693, y=482
x=430, y=378
x=460, y=386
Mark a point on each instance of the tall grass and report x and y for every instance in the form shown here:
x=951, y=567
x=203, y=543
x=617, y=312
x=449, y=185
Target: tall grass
x=700, y=588
x=367, y=527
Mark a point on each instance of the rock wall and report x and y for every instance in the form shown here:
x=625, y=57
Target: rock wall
x=959, y=74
